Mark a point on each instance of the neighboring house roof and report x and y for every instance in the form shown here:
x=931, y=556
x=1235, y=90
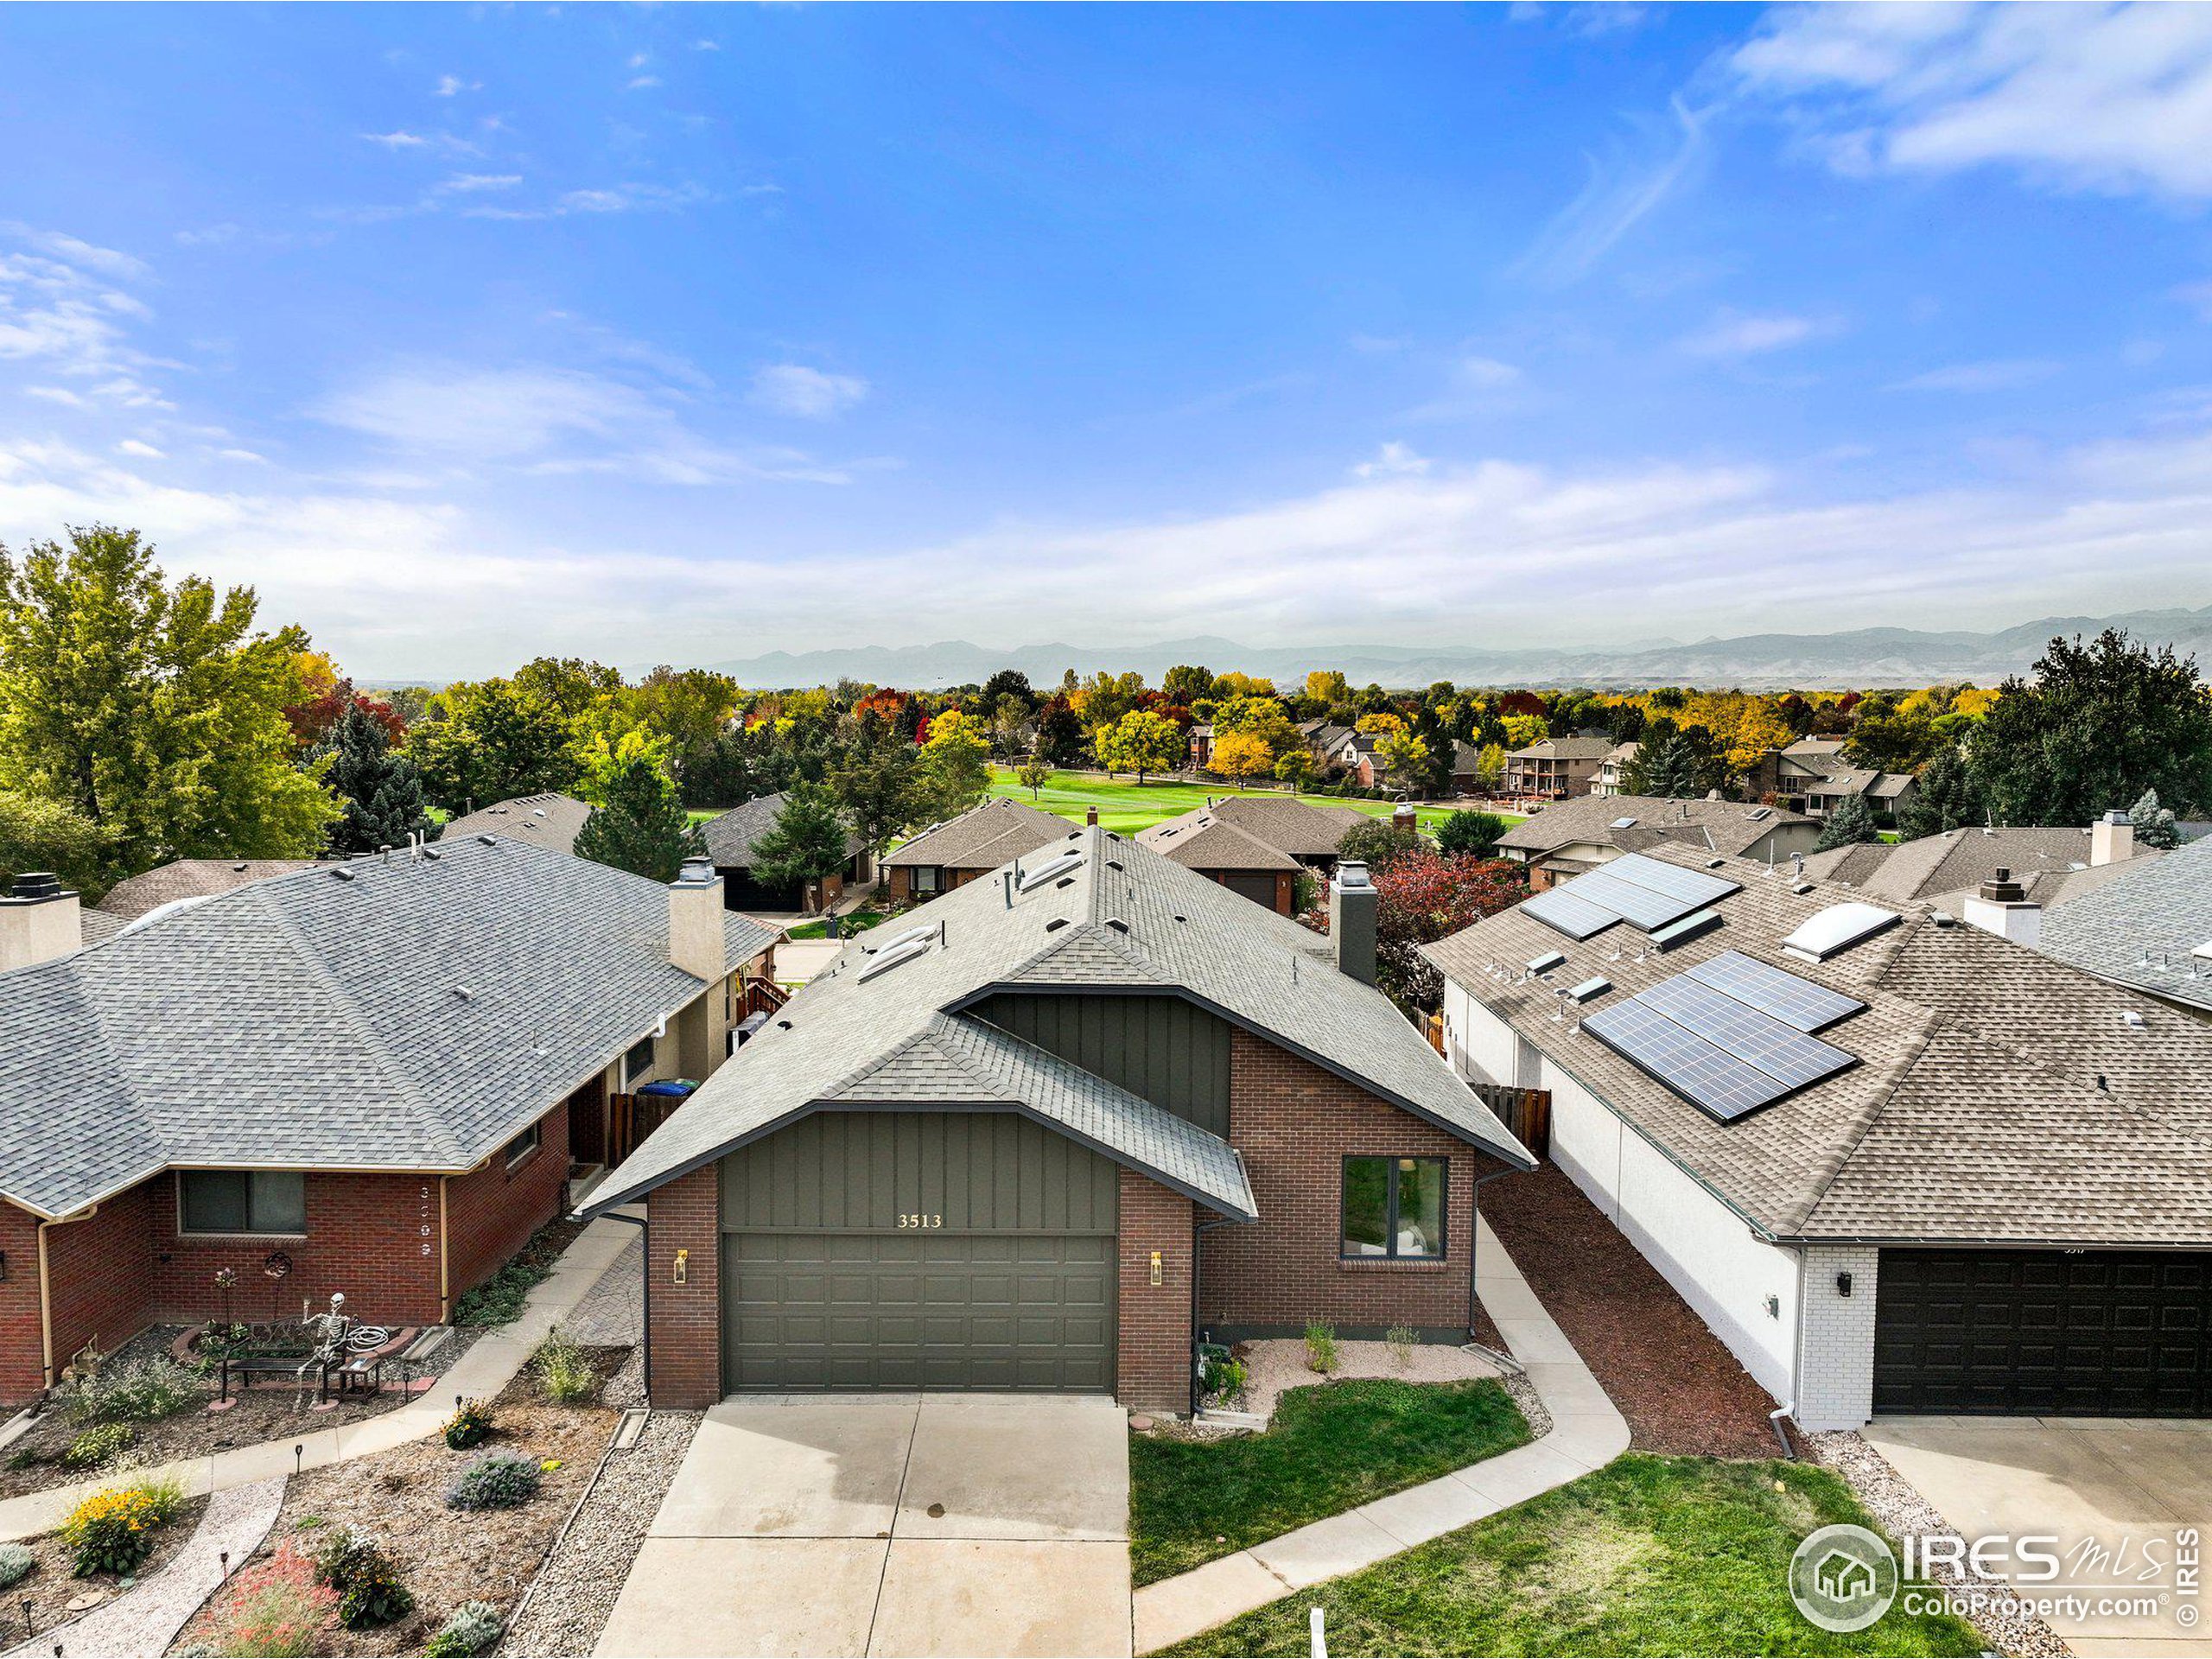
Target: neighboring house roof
x=1117, y=919
x=191, y=878
x=1859, y=780
x=983, y=837
x=97, y=924
x=1997, y=1096
x=1257, y=832
x=1467, y=758
x=1325, y=737
x=547, y=820
x=1621, y=753
x=1936, y=868
x=1566, y=748
x=2148, y=925
x=1733, y=826
x=318, y=1019
x=730, y=837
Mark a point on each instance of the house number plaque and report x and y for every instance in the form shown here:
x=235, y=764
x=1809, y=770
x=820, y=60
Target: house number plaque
x=908, y=1221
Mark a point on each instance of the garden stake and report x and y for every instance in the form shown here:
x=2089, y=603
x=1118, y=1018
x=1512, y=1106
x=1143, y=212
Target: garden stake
x=297, y=1452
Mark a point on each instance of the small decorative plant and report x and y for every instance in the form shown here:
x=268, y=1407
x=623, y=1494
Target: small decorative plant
x=473, y=1627
x=497, y=1480
x=469, y=1426
x=277, y=1608
x=1227, y=1379
x=565, y=1372
x=15, y=1563
x=98, y=1444
x=1321, y=1348
x=356, y=1565
x=111, y=1531
x=141, y=1391
x=1403, y=1339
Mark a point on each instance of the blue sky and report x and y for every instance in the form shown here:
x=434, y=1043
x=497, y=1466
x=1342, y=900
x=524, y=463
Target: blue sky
x=687, y=332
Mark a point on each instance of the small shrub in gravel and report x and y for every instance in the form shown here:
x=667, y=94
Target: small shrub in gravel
x=356, y=1565
x=473, y=1627
x=1403, y=1339
x=164, y=1495
x=565, y=1372
x=469, y=1426
x=278, y=1610
x=15, y=1563
x=111, y=1531
x=1321, y=1348
x=98, y=1444
x=141, y=1390
x=497, y=1480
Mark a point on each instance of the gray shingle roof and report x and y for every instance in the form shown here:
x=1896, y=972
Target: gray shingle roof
x=1999, y=1095
x=1124, y=917
x=730, y=837
x=1288, y=823
x=309, y=1020
x=1566, y=748
x=191, y=878
x=982, y=838
x=1734, y=826
x=1934, y=867
x=1202, y=842
x=2157, y=908
x=547, y=820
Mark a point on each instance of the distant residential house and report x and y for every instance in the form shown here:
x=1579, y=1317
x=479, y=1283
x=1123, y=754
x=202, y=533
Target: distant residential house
x=2053, y=867
x=1569, y=837
x=1560, y=767
x=1356, y=754
x=1255, y=845
x=1201, y=745
x=2147, y=926
x=730, y=839
x=547, y=820
x=1883, y=792
x=1466, y=767
x=190, y=878
x=376, y=1071
x=944, y=855
x=1612, y=771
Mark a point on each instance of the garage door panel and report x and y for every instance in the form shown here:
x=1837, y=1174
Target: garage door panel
x=2021, y=1331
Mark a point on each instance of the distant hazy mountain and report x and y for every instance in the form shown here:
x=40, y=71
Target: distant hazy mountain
x=1866, y=657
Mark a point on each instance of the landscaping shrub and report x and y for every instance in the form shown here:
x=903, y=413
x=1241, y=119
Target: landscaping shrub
x=164, y=1495
x=1403, y=1339
x=1321, y=1348
x=497, y=1480
x=565, y=1372
x=111, y=1531
x=277, y=1609
x=1227, y=1378
x=140, y=1390
x=15, y=1563
x=473, y=1627
x=356, y=1566
x=98, y=1444
x=470, y=1426
x=500, y=1297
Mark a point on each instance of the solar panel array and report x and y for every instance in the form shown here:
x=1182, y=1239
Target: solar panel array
x=1728, y=1036
x=1563, y=912
x=1651, y=894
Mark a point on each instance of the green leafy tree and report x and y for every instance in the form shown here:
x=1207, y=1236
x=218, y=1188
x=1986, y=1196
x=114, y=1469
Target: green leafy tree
x=878, y=791
x=1406, y=759
x=1852, y=821
x=37, y=834
x=808, y=842
x=1943, y=798
x=2153, y=824
x=1379, y=843
x=1490, y=766
x=382, y=792
x=156, y=713
x=491, y=740
x=641, y=826
x=954, y=770
x=1295, y=767
x=1141, y=742
x=1008, y=682
x=1186, y=683
x=1033, y=774
x=2098, y=725
x=1469, y=834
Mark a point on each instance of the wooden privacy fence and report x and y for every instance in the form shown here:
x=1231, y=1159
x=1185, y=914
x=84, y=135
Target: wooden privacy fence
x=631, y=1118
x=1527, y=1112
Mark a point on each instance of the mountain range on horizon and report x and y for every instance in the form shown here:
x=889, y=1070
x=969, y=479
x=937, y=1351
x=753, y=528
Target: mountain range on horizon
x=1860, y=658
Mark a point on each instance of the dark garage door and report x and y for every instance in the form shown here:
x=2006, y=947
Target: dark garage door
x=2030, y=1332
x=894, y=1250
x=1257, y=886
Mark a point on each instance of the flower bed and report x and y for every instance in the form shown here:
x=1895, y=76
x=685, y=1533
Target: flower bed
x=53, y=1584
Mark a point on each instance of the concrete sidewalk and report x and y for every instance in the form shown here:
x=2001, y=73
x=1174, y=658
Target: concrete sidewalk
x=479, y=1374
x=1587, y=1433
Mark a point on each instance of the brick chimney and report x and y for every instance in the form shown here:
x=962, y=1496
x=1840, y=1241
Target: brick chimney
x=1090, y=815
x=2111, y=839
x=1402, y=817
x=2002, y=908
x=39, y=921
x=1353, y=907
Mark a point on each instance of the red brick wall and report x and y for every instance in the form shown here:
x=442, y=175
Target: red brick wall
x=1154, y=1363
x=98, y=1268
x=491, y=1212
x=686, y=1334
x=1295, y=1123
x=20, y=1355
x=364, y=1237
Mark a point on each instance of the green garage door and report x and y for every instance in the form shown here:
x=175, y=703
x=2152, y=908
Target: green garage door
x=917, y=1251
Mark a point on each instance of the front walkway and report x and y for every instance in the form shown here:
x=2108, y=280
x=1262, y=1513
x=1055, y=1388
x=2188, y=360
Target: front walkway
x=889, y=1524
x=1587, y=1433
x=479, y=1374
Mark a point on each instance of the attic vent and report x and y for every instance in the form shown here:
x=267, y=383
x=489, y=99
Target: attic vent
x=1715, y=863
x=1113, y=863
x=485, y=840
x=783, y=1025
x=1117, y=925
x=238, y=869
x=1943, y=918
x=1589, y=989
x=1056, y=924
x=2132, y=1020
x=1546, y=962
x=342, y=874
x=892, y=957
x=1800, y=886
x=464, y=993
x=432, y=853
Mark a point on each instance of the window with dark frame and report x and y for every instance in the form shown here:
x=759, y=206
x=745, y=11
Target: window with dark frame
x=272, y=1201
x=636, y=1062
x=523, y=1144
x=928, y=878
x=1393, y=1209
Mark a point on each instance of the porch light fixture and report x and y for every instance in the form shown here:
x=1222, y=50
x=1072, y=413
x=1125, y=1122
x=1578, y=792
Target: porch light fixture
x=1843, y=1284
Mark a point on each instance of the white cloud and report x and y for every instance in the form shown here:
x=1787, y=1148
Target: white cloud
x=62, y=395
x=1486, y=372
x=401, y=140
x=143, y=451
x=1393, y=460
x=619, y=199
x=453, y=85
x=706, y=46
x=467, y=183
x=640, y=83
x=812, y=394
x=1622, y=188
x=74, y=252
x=2198, y=295
x=1999, y=376
x=1734, y=334
x=58, y=308
x=242, y=455
x=2115, y=98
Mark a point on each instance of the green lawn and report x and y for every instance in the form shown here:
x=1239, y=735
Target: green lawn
x=1127, y=806
x=1650, y=1555
x=853, y=922
x=1330, y=1448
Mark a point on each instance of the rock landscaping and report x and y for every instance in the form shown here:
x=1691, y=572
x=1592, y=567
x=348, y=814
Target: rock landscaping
x=52, y=1584
x=1275, y=1365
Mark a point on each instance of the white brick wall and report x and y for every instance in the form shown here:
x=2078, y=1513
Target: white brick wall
x=1835, y=1363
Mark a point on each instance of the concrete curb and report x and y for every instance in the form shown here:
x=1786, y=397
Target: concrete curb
x=1587, y=1433
x=481, y=1372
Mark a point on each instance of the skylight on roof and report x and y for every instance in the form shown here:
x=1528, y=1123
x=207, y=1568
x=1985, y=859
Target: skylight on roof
x=1623, y=824
x=883, y=961
x=1834, y=930
x=1051, y=870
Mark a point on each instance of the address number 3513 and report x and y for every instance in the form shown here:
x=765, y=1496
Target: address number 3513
x=906, y=1221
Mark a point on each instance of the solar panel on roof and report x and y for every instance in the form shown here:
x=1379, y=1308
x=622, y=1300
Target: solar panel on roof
x=1563, y=912
x=1642, y=906
x=1690, y=927
x=1784, y=1053
x=1706, y=1075
x=1793, y=1001
x=1695, y=887
x=1831, y=932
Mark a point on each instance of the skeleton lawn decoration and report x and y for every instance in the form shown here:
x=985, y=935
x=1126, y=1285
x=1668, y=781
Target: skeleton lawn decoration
x=338, y=1337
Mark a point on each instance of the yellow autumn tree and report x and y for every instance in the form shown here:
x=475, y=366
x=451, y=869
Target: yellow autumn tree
x=1243, y=754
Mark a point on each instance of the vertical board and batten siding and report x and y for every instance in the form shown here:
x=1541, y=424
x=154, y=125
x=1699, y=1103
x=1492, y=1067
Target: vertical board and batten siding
x=1160, y=1048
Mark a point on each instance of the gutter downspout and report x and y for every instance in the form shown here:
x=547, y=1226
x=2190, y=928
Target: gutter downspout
x=1474, y=1245
x=46, y=1292
x=645, y=1226
x=445, y=1257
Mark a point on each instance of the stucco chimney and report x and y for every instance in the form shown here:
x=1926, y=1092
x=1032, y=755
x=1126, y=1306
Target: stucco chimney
x=39, y=921
x=2002, y=908
x=2111, y=839
x=696, y=940
x=1402, y=817
x=1353, y=905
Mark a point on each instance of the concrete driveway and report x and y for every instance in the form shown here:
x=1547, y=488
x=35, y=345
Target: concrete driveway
x=2129, y=1485
x=890, y=1524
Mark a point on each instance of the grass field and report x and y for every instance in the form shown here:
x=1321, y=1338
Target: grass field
x=1127, y=806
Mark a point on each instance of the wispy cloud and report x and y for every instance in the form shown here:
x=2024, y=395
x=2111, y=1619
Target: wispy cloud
x=640, y=83
x=141, y=450
x=1622, y=188
x=2001, y=376
x=397, y=140
x=812, y=394
x=1393, y=460
x=471, y=182
x=453, y=85
x=60, y=308
x=1734, y=334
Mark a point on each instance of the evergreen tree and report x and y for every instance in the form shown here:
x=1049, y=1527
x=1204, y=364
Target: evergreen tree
x=1469, y=834
x=643, y=827
x=876, y=789
x=807, y=844
x=1683, y=764
x=381, y=790
x=2154, y=824
x=1851, y=823
x=1943, y=798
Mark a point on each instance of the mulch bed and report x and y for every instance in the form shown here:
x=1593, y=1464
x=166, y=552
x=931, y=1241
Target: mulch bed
x=445, y=1556
x=1683, y=1392
x=50, y=1587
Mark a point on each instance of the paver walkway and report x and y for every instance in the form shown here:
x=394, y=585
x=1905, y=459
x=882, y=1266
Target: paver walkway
x=479, y=1374
x=1587, y=1433
x=141, y=1621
